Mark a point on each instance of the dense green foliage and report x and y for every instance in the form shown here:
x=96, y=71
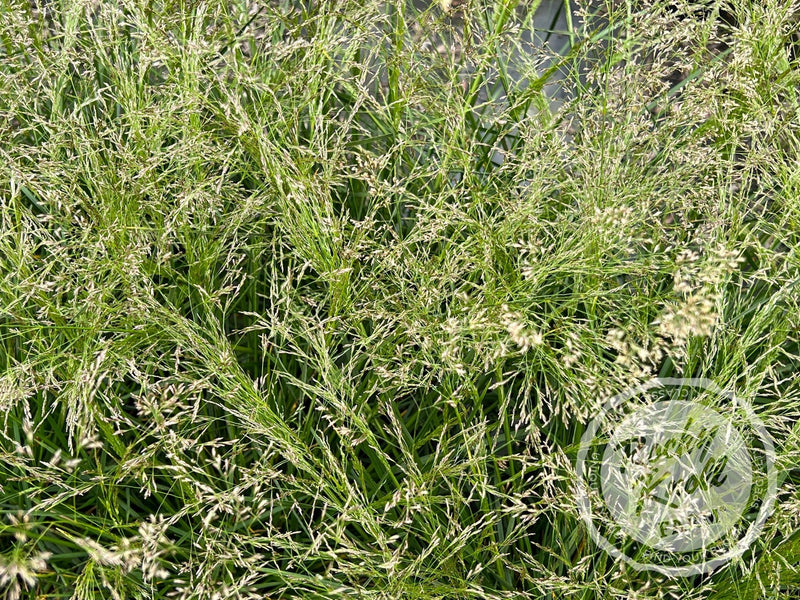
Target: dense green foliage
x=314, y=299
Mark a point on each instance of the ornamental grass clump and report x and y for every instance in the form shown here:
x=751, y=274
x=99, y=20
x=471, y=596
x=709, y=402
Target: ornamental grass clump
x=315, y=300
